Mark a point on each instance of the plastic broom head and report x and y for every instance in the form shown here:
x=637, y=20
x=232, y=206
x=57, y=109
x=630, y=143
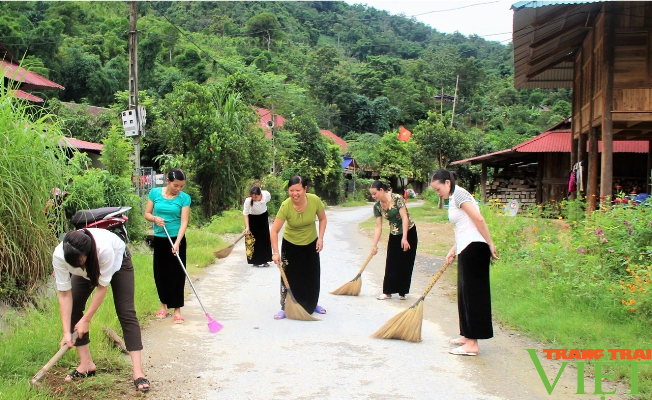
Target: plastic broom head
x=213, y=325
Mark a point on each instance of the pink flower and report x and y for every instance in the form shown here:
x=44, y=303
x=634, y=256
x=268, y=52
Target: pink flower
x=580, y=250
x=598, y=231
x=604, y=240
x=626, y=223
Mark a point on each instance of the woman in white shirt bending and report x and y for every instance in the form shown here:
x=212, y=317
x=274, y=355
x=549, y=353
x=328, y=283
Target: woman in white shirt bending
x=257, y=243
x=475, y=249
x=89, y=260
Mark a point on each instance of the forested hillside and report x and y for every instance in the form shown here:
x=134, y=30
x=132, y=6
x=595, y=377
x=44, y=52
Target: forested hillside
x=354, y=70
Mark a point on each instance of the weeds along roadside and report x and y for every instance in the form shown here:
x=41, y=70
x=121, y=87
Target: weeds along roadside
x=32, y=336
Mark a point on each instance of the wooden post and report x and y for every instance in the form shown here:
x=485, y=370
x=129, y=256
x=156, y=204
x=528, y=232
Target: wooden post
x=483, y=183
x=457, y=82
x=592, y=181
x=649, y=167
x=133, y=83
x=539, y=192
x=606, y=176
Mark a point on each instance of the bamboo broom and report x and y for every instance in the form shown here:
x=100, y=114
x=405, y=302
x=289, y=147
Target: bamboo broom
x=293, y=309
x=352, y=288
x=227, y=250
x=406, y=325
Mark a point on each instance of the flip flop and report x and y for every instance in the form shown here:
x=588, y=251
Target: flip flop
x=458, y=351
x=320, y=310
x=279, y=315
x=142, y=381
x=179, y=320
x=456, y=342
x=162, y=314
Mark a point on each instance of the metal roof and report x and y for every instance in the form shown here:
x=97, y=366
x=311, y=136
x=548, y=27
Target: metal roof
x=266, y=118
x=338, y=140
x=547, y=36
x=28, y=80
x=553, y=142
x=82, y=144
x=21, y=94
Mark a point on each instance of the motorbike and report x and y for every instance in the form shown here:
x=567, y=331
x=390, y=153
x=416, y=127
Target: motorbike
x=113, y=219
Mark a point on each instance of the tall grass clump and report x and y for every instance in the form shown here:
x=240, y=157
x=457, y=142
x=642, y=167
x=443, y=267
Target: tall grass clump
x=576, y=281
x=32, y=164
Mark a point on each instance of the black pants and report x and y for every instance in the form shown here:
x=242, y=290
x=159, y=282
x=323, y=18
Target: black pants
x=474, y=292
x=168, y=273
x=303, y=268
x=122, y=285
x=400, y=264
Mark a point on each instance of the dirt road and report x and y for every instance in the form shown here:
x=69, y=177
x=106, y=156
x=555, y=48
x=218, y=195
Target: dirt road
x=257, y=357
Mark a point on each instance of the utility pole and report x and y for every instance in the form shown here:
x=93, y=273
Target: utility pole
x=441, y=102
x=457, y=82
x=273, y=129
x=133, y=83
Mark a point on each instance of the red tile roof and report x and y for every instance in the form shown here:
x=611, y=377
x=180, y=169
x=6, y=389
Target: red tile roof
x=560, y=142
x=338, y=140
x=29, y=80
x=266, y=118
x=82, y=144
x=21, y=94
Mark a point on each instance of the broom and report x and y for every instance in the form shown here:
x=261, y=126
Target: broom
x=407, y=324
x=227, y=250
x=352, y=288
x=294, y=310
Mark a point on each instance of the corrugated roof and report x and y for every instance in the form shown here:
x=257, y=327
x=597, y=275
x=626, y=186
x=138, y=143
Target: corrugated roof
x=82, y=144
x=558, y=142
x=94, y=110
x=546, y=37
x=29, y=80
x=21, y=94
x=338, y=140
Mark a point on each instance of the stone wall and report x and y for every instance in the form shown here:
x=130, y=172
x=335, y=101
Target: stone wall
x=514, y=184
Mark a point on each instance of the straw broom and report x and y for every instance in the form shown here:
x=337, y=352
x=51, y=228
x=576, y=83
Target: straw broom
x=294, y=310
x=352, y=288
x=227, y=250
x=407, y=324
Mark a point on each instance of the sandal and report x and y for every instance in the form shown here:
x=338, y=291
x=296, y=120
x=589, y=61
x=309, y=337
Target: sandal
x=279, y=315
x=142, y=382
x=179, y=319
x=74, y=374
x=320, y=310
x=402, y=298
x=162, y=314
x=457, y=342
x=384, y=296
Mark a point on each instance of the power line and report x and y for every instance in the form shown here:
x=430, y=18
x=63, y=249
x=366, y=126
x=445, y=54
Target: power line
x=457, y=8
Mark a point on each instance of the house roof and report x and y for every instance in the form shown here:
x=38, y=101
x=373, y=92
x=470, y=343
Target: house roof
x=338, y=140
x=82, y=144
x=21, y=94
x=547, y=36
x=266, y=119
x=28, y=80
x=553, y=141
x=94, y=110
x=349, y=162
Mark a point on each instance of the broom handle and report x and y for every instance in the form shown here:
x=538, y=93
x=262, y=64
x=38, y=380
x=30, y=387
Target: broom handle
x=435, y=279
x=365, y=263
x=237, y=240
x=285, y=278
x=185, y=272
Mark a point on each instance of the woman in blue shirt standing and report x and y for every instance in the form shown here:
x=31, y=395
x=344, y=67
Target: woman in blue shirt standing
x=169, y=206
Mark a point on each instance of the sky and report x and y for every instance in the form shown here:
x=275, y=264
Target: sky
x=489, y=19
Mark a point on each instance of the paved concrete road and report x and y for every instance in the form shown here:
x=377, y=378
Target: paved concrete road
x=257, y=357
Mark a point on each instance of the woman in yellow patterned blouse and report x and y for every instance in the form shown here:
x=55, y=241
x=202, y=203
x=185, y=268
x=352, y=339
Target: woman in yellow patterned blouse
x=402, y=244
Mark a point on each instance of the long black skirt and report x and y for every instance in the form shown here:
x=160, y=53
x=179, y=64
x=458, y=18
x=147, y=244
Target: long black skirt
x=474, y=292
x=302, y=268
x=399, y=264
x=261, y=250
x=169, y=277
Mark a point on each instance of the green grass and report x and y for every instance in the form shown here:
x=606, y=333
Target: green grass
x=31, y=337
x=353, y=203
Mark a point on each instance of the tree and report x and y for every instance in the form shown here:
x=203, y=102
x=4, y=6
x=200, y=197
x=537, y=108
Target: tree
x=265, y=27
x=219, y=135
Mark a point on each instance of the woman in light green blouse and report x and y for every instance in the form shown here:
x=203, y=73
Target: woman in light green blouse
x=300, y=246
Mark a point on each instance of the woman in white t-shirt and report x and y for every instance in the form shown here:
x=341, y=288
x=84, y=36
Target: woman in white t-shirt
x=87, y=261
x=475, y=249
x=257, y=243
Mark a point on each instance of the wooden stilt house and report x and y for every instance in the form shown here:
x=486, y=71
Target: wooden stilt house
x=603, y=51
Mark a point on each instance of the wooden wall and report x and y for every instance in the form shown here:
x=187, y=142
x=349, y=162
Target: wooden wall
x=632, y=70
